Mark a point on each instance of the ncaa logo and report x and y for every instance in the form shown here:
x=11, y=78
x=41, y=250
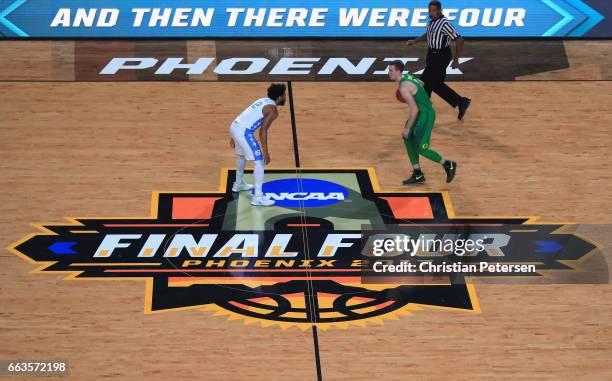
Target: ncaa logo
x=304, y=193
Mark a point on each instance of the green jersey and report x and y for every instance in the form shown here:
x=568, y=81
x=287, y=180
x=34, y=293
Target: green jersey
x=421, y=97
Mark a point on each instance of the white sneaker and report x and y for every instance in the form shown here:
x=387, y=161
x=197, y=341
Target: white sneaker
x=241, y=187
x=261, y=201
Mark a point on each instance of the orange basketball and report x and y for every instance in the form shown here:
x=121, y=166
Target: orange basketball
x=399, y=97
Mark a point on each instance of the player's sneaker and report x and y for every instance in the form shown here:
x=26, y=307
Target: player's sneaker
x=450, y=167
x=241, y=187
x=261, y=201
x=416, y=178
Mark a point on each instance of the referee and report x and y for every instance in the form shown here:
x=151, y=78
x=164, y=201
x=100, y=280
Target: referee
x=440, y=33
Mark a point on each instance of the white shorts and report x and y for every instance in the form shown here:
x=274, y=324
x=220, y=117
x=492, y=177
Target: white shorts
x=246, y=144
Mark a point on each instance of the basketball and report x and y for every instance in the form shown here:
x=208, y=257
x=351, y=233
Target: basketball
x=399, y=97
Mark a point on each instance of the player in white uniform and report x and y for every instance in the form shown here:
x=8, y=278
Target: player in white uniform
x=258, y=116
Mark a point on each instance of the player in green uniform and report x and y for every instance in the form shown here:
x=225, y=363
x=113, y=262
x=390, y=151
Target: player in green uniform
x=417, y=130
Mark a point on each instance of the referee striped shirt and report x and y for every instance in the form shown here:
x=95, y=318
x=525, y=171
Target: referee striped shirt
x=440, y=33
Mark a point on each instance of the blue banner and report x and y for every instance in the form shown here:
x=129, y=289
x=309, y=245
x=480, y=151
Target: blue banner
x=296, y=18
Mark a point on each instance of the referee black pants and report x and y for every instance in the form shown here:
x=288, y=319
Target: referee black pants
x=435, y=75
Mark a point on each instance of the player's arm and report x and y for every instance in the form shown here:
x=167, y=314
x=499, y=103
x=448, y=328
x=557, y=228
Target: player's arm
x=270, y=114
x=406, y=92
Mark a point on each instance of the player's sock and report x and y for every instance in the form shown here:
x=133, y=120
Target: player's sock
x=239, y=184
x=240, y=164
x=258, y=174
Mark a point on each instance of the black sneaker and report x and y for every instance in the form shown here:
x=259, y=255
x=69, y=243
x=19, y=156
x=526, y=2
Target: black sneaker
x=450, y=167
x=416, y=178
x=464, y=104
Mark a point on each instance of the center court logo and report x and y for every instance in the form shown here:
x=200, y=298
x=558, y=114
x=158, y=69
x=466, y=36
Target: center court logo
x=304, y=192
x=204, y=251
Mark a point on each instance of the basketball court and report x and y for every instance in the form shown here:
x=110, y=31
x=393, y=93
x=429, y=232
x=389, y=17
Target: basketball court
x=75, y=143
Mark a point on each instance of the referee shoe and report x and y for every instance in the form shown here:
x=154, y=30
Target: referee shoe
x=464, y=104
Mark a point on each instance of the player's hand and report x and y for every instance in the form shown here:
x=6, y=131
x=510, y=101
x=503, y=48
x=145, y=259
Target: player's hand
x=455, y=63
x=232, y=144
x=405, y=133
x=412, y=42
x=266, y=158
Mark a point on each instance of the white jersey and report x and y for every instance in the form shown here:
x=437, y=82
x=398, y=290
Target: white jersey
x=252, y=117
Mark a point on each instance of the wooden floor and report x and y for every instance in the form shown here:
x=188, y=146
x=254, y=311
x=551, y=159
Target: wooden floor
x=99, y=149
